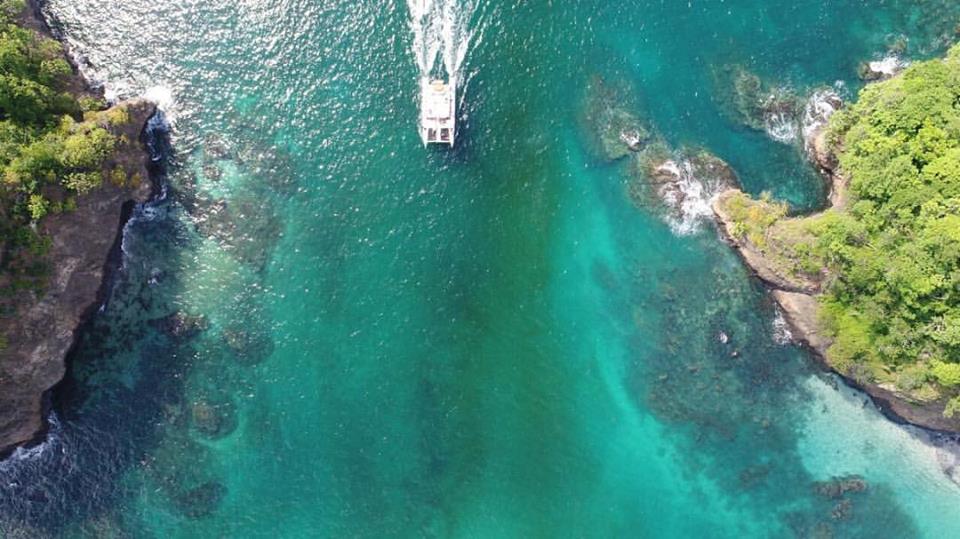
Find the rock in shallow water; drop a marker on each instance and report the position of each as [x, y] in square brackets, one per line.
[614, 130]
[758, 104]
[884, 69]
[685, 184]
[181, 326]
[838, 486]
[201, 501]
[213, 419]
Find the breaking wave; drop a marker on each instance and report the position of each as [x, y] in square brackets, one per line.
[781, 126]
[781, 329]
[817, 111]
[689, 193]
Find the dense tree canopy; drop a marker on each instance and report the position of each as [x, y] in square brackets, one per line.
[896, 252]
[53, 147]
[889, 259]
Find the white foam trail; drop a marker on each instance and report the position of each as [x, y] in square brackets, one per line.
[444, 30]
[689, 197]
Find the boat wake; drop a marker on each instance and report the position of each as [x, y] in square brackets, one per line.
[443, 33]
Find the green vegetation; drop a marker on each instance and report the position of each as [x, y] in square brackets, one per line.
[53, 146]
[752, 218]
[892, 255]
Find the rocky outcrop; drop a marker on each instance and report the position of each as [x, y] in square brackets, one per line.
[759, 104]
[820, 107]
[800, 306]
[883, 69]
[800, 312]
[686, 182]
[42, 328]
[761, 265]
[606, 116]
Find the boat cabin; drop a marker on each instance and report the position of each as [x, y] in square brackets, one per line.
[437, 112]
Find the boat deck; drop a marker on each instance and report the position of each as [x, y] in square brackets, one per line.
[437, 112]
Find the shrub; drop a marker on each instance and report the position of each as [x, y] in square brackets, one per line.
[83, 182]
[87, 148]
[118, 115]
[37, 206]
[947, 374]
[953, 406]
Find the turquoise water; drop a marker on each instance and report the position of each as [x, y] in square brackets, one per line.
[489, 341]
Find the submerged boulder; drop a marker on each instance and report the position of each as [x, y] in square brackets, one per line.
[201, 501]
[213, 419]
[757, 104]
[246, 226]
[842, 511]
[249, 345]
[181, 326]
[607, 116]
[837, 487]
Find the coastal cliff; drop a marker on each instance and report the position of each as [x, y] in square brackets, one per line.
[799, 302]
[39, 322]
[805, 261]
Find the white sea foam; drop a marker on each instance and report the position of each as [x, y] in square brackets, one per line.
[165, 101]
[821, 105]
[689, 197]
[781, 329]
[22, 455]
[443, 33]
[887, 67]
[781, 126]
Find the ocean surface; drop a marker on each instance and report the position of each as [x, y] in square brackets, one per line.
[378, 339]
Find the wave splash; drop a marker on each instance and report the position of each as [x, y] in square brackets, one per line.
[688, 187]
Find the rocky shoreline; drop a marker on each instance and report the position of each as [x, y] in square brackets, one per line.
[84, 244]
[798, 300]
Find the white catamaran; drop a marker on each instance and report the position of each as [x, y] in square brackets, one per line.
[438, 111]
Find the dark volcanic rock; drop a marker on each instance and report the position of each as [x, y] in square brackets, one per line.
[41, 330]
[181, 326]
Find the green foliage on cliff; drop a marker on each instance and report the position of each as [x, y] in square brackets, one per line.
[752, 218]
[895, 300]
[52, 146]
[892, 254]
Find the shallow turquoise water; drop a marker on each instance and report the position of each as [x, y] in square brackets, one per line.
[490, 341]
